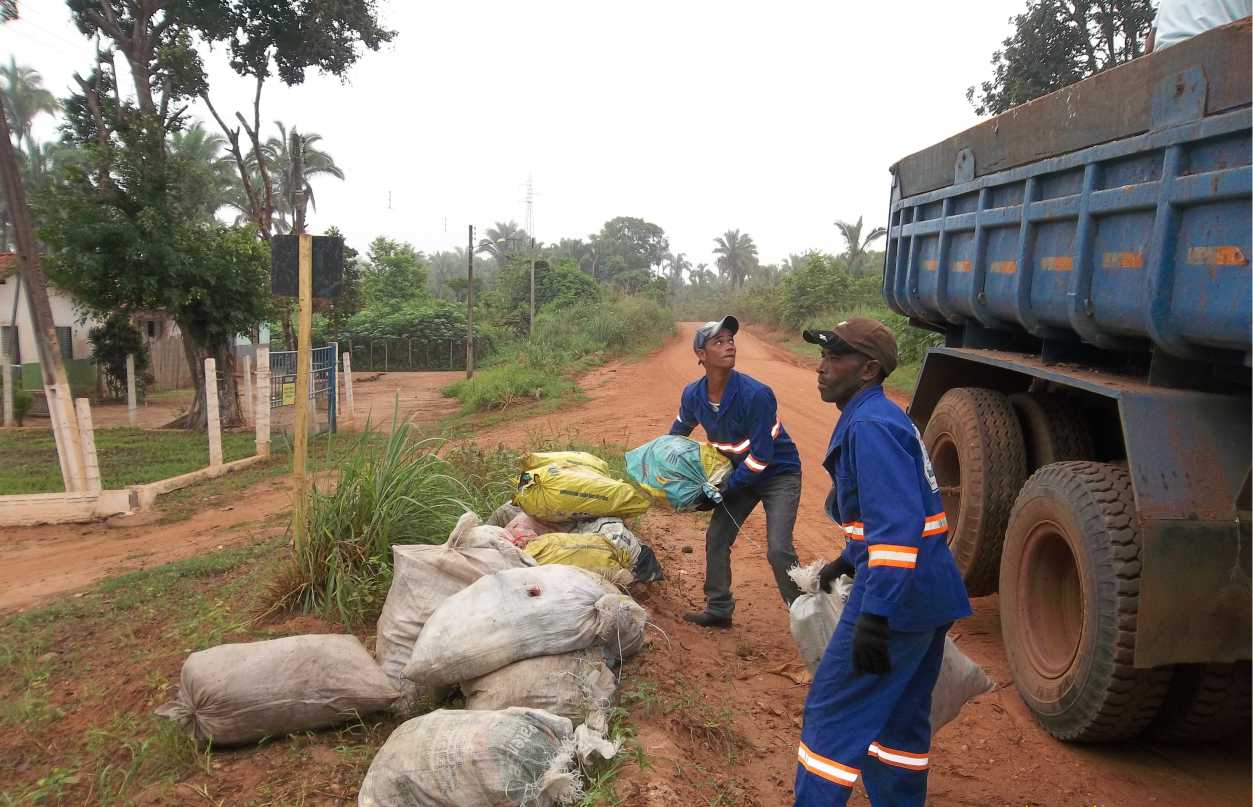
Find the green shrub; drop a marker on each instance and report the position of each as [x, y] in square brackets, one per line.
[22, 403]
[393, 490]
[505, 384]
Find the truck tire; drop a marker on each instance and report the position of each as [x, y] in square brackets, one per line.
[1053, 430]
[976, 448]
[1070, 584]
[1205, 702]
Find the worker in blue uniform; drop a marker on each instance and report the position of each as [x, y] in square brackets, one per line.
[868, 711]
[740, 419]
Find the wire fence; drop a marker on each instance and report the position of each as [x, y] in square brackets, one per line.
[402, 354]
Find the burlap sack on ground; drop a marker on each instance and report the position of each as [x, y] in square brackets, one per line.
[571, 685]
[503, 515]
[423, 577]
[815, 614]
[519, 614]
[241, 693]
[474, 759]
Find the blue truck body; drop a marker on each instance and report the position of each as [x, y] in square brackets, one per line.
[1096, 244]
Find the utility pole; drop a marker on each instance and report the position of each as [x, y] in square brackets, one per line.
[470, 305]
[56, 382]
[532, 330]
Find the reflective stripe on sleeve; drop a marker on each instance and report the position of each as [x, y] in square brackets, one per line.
[754, 464]
[855, 530]
[935, 525]
[734, 448]
[778, 427]
[902, 557]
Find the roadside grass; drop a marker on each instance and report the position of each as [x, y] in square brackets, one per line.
[128, 456]
[565, 342]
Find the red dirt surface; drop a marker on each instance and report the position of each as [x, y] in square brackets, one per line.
[717, 713]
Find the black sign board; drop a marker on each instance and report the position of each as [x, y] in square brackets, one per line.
[328, 266]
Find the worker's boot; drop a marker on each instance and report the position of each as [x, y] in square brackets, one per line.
[707, 620]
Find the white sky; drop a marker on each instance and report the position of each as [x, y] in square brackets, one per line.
[775, 119]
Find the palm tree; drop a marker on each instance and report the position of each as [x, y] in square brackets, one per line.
[204, 150]
[503, 240]
[677, 265]
[24, 98]
[856, 245]
[737, 255]
[278, 160]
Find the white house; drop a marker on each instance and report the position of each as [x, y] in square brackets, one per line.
[72, 326]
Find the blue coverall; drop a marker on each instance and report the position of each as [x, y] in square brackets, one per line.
[878, 726]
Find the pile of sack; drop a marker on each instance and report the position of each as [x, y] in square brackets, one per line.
[534, 645]
[815, 614]
[569, 510]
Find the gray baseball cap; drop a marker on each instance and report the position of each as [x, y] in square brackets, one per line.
[706, 332]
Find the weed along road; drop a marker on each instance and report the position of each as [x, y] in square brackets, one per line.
[716, 714]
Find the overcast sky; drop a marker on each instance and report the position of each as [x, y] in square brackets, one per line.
[775, 119]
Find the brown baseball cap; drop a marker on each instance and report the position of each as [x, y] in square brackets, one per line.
[863, 335]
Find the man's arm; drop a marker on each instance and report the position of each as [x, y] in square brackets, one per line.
[764, 417]
[686, 421]
[892, 514]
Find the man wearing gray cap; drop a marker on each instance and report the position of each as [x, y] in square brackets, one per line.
[740, 419]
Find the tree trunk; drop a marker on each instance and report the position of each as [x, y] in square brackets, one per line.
[230, 412]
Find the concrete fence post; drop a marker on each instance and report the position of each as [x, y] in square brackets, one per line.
[211, 411]
[249, 410]
[132, 413]
[262, 401]
[352, 411]
[6, 378]
[87, 439]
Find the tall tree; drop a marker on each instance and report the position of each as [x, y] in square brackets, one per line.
[315, 162]
[1058, 42]
[203, 151]
[737, 255]
[25, 99]
[504, 240]
[394, 274]
[676, 266]
[629, 245]
[855, 244]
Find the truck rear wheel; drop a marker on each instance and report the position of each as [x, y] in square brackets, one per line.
[1053, 429]
[976, 448]
[1070, 582]
[1205, 702]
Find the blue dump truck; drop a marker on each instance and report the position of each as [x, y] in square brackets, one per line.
[1086, 257]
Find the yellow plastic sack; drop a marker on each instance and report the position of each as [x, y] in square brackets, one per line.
[717, 466]
[589, 551]
[557, 493]
[538, 459]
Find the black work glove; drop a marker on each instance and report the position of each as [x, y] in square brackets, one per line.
[870, 645]
[832, 572]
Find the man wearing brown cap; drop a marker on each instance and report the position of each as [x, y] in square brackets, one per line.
[868, 710]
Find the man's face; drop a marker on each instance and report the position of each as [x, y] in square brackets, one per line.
[841, 375]
[719, 351]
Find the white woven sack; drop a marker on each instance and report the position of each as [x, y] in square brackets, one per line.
[241, 693]
[424, 576]
[519, 614]
[571, 685]
[459, 758]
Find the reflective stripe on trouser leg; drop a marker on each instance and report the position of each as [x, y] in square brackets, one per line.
[896, 771]
[846, 712]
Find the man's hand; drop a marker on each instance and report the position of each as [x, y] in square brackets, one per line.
[870, 645]
[832, 572]
[704, 503]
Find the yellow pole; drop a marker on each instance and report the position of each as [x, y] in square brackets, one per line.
[301, 436]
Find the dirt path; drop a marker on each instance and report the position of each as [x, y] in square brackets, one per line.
[725, 721]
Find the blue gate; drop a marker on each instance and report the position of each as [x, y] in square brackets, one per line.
[323, 374]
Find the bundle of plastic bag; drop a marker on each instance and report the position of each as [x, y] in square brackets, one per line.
[559, 492]
[644, 563]
[813, 618]
[487, 759]
[573, 685]
[242, 693]
[590, 551]
[519, 614]
[424, 576]
[678, 470]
